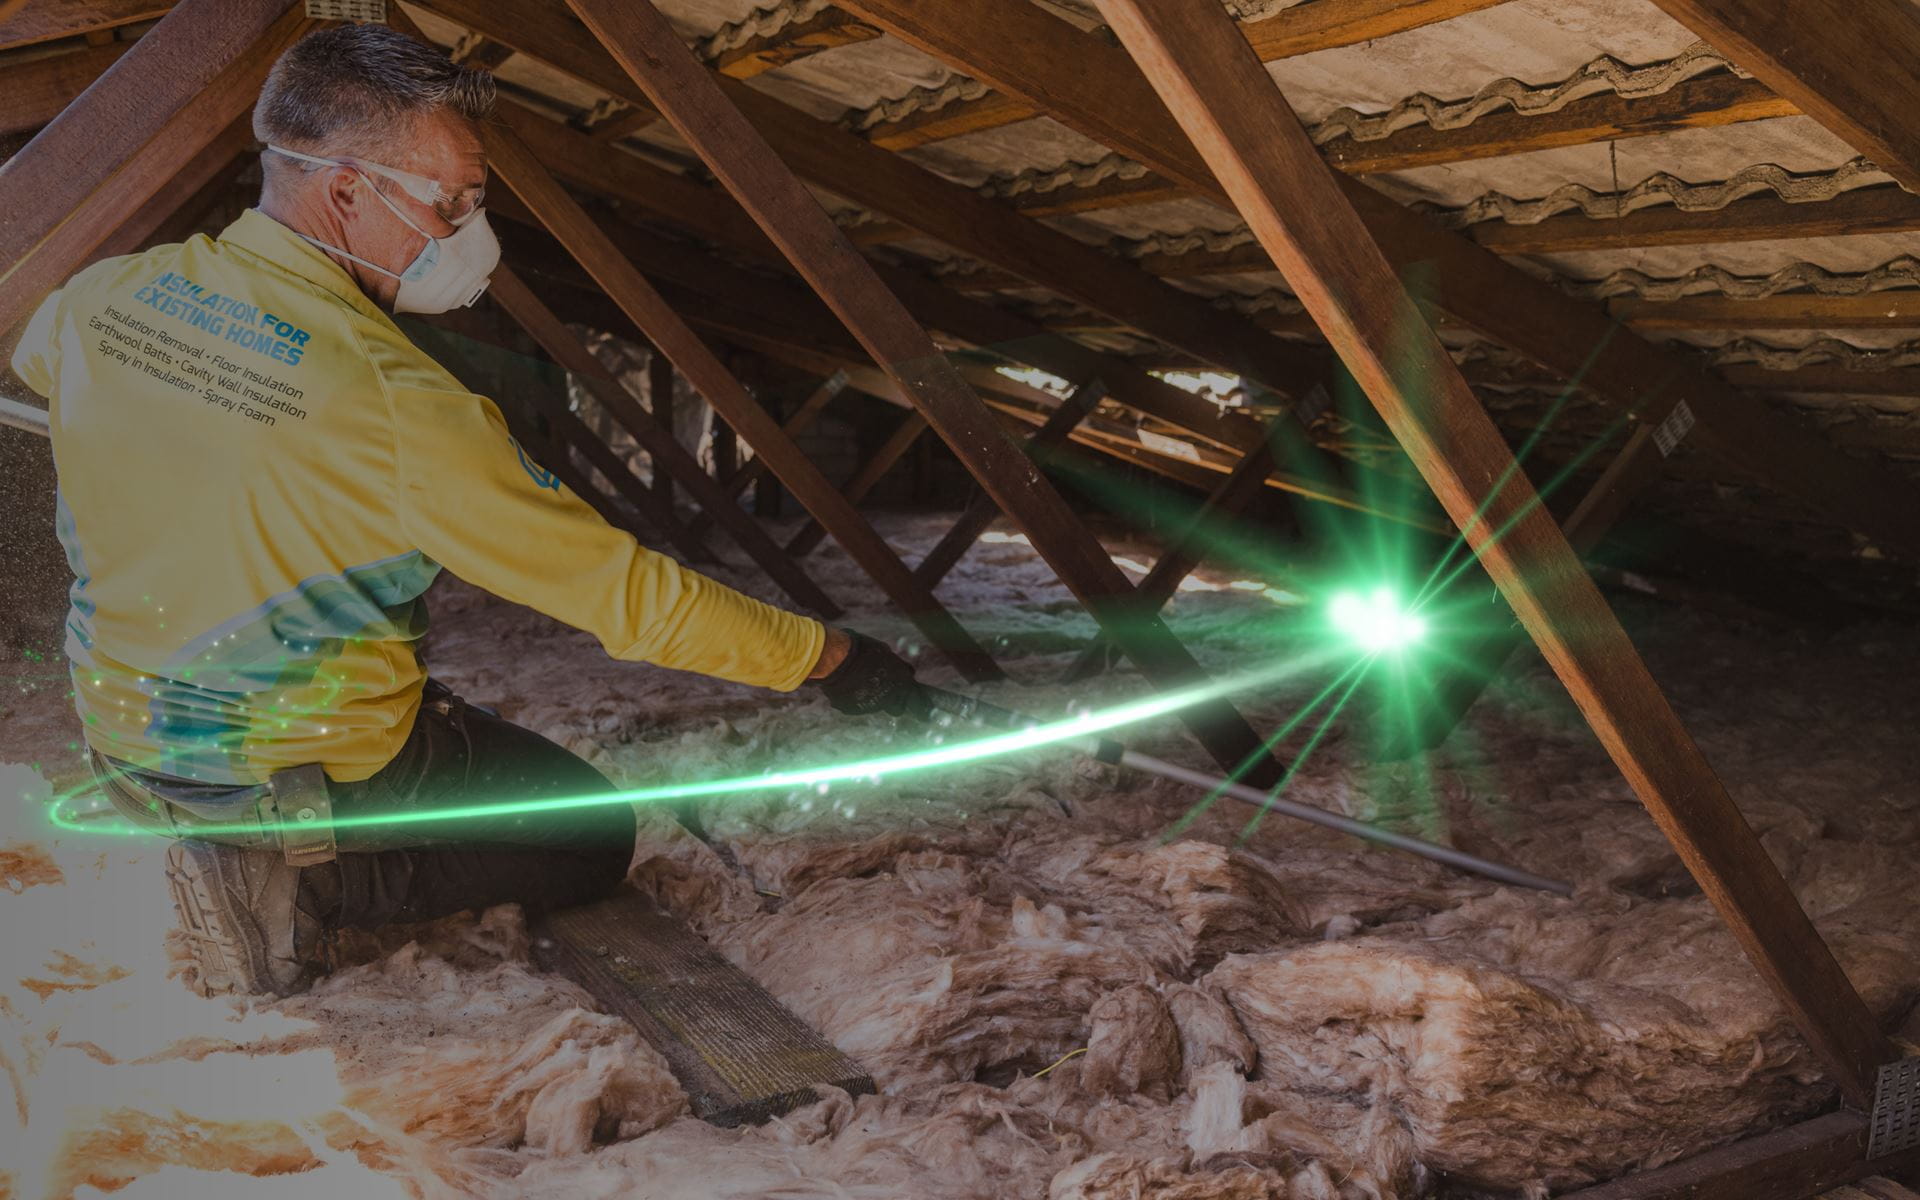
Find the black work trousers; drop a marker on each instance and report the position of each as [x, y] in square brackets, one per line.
[459, 759]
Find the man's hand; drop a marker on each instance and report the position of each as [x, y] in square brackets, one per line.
[839, 644]
[870, 678]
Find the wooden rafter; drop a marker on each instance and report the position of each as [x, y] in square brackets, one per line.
[570, 430]
[1236, 117]
[844, 163]
[1793, 310]
[37, 91]
[1890, 309]
[1847, 63]
[1708, 101]
[1183, 553]
[590, 246]
[1799, 1161]
[1884, 209]
[715, 216]
[825, 30]
[865, 478]
[195, 186]
[738, 154]
[925, 125]
[980, 512]
[1302, 29]
[1106, 98]
[157, 107]
[519, 301]
[798, 422]
[49, 20]
[1825, 380]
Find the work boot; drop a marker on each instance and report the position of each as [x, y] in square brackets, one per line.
[254, 924]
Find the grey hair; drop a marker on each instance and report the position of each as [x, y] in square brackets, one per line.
[358, 90]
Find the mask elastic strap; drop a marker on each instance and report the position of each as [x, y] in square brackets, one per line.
[391, 206]
[371, 266]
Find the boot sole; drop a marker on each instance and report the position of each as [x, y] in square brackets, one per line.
[210, 898]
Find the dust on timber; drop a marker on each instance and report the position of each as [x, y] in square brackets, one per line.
[1301, 1017]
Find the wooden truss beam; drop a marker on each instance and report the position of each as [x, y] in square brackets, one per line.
[799, 422]
[1106, 98]
[566, 349]
[157, 107]
[1710, 100]
[1892, 309]
[949, 212]
[1707, 101]
[660, 407]
[49, 20]
[714, 215]
[1795, 310]
[825, 30]
[570, 431]
[1302, 30]
[731, 146]
[926, 125]
[1224, 100]
[589, 245]
[39, 90]
[195, 187]
[1183, 554]
[1883, 209]
[865, 479]
[1794, 1163]
[1328, 24]
[1887, 208]
[1847, 63]
[658, 514]
[981, 510]
[1826, 380]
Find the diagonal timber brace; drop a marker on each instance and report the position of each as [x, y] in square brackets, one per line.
[1216, 88]
[159, 105]
[675, 82]
[519, 302]
[1015, 46]
[518, 167]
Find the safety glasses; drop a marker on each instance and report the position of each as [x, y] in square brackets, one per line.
[455, 206]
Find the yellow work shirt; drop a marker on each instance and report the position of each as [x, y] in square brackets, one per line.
[259, 475]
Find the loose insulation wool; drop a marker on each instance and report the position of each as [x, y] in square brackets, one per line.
[1057, 1000]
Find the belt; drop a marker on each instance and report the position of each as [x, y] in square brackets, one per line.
[292, 810]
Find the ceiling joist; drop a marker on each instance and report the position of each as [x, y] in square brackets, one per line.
[1846, 63]
[1016, 47]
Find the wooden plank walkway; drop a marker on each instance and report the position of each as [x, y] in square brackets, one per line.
[741, 1055]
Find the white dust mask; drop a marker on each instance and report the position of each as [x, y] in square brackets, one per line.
[449, 272]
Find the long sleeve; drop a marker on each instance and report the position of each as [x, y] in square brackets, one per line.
[471, 500]
[36, 359]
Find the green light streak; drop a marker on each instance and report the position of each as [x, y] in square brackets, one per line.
[1299, 760]
[1355, 669]
[869, 770]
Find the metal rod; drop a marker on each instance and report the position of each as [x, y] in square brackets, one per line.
[1360, 829]
[25, 416]
[949, 708]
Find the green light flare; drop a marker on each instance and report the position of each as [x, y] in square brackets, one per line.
[1299, 760]
[1375, 621]
[1525, 451]
[870, 770]
[1356, 669]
